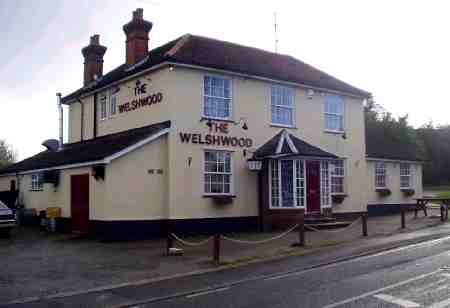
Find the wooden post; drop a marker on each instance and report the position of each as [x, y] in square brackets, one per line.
[364, 224]
[416, 209]
[216, 250]
[169, 241]
[301, 234]
[402, 210]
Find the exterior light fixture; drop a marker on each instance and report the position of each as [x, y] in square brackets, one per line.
[254, 164]
[244, 121]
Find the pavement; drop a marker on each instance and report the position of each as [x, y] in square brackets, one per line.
[56, 270]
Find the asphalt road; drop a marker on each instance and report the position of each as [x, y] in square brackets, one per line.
[412, 276]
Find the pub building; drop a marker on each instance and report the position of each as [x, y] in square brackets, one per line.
[205, 135]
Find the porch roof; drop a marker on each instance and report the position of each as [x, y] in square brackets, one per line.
[285, 144]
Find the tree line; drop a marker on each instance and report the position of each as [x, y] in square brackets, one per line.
[429, 143]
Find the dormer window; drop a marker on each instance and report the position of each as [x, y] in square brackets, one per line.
[217, 97]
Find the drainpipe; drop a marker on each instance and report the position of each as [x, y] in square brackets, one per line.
[60, 109]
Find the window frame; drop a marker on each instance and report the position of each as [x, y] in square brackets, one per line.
[230, 111]
[377, 173]
[303, 180]
[333, 175]
[37, 183]
[291, 108]
[204, 173]
[340, 115]
[103, 102]
[325, 184]
[111, 97]
[408, 175]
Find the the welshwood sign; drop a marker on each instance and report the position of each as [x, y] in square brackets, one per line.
[139, 102]
[219, 140]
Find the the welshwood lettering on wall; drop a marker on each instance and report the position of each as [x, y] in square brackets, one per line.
[219, 140]
[136, 103]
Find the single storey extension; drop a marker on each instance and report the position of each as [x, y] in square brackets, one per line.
[205, 135]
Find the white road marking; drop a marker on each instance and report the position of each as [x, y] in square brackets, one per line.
[427, 243]
[207, 292]
[352, 299]
[442, 304]
[396, 300]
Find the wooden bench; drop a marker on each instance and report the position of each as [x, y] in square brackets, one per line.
[421, 204]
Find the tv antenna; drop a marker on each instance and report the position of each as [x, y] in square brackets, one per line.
[275, 31]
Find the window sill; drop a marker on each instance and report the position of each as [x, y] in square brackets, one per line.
[383, 191]
[283, 125]
[335, 132]
[205, 118]
[287, 208]
[218, 195]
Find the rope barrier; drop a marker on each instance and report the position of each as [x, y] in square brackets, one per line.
[188, 243]
[333, 231]
[260, 241]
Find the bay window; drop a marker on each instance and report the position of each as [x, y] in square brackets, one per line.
[217, 173]
[282, 105]
[217, 97]
[337, 177]
[287, 184]
[325, 196]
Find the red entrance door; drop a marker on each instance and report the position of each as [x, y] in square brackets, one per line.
[79, 202]
[313, 187]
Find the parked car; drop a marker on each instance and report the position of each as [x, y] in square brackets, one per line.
[7, 220]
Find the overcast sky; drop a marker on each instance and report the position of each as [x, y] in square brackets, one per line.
[397, 50]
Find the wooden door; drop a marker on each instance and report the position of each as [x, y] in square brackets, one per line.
[79, 203]
[313, 187]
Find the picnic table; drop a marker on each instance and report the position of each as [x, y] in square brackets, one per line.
[421, 204]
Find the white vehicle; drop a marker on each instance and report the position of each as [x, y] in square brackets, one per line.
[7, 221]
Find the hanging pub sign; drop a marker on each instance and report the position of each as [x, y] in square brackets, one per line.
[143, 100]
[213, 139]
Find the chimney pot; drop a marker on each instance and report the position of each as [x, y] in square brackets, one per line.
[95, 40]
[136, 32]
[93, 59]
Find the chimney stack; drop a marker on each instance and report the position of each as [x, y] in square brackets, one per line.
[137, 37]
[93, 59]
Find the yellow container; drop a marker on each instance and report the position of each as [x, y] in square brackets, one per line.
[53, 212]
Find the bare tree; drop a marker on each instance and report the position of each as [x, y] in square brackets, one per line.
[7, 154]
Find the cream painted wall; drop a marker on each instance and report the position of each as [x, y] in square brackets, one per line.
[74, 122]
[156, 82]
[251, 100]
[132, 192]
[60, 196]
[393, 183]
